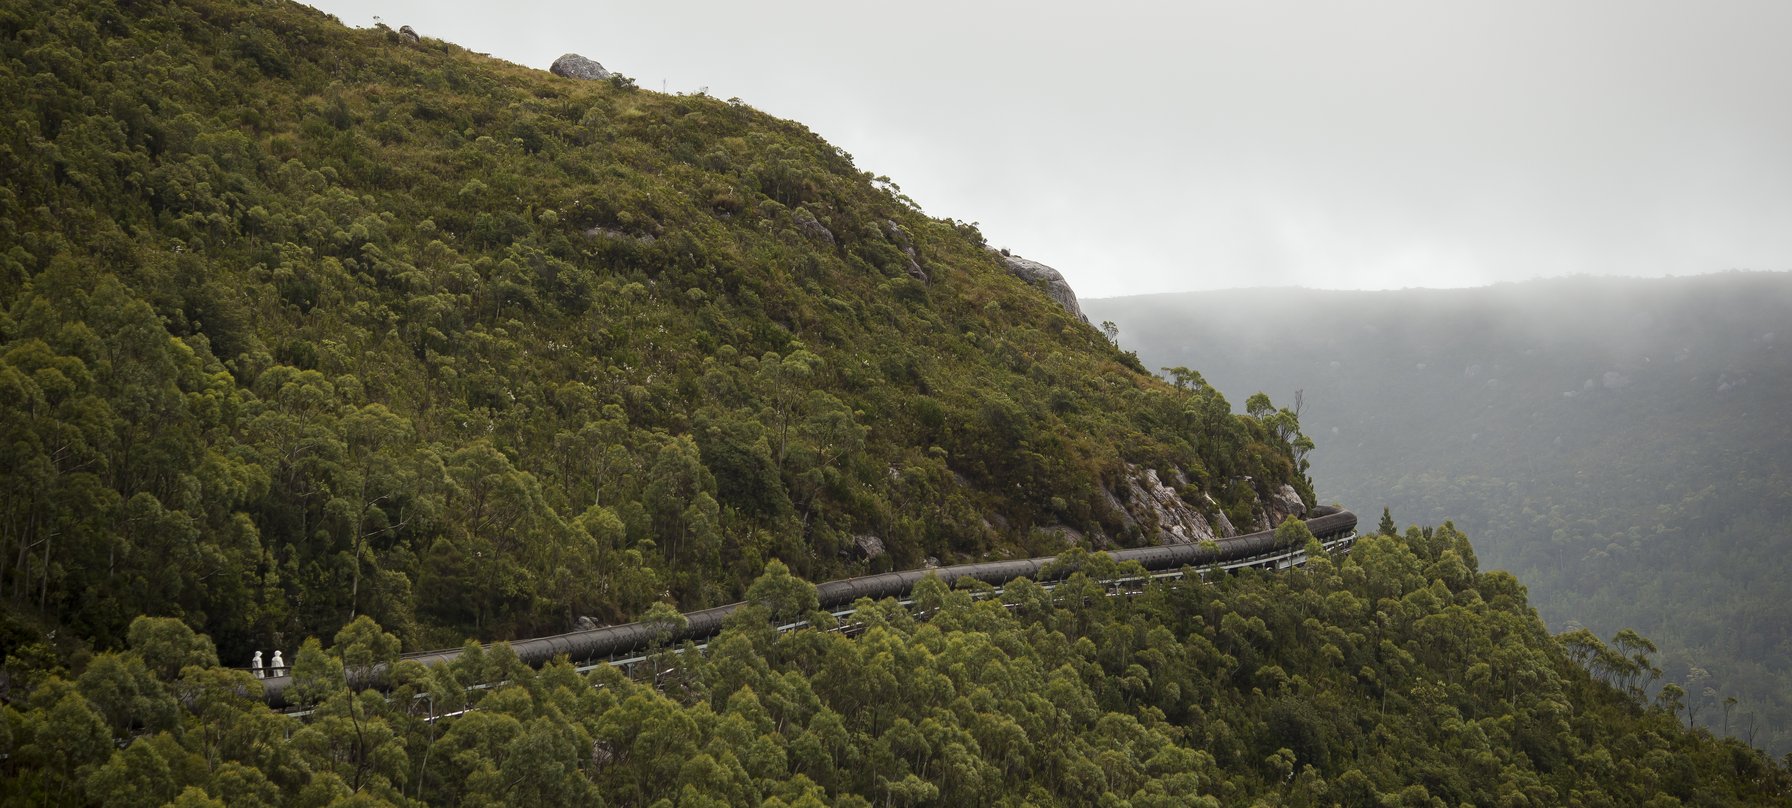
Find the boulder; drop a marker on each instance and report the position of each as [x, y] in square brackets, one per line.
[409, 34]
[1283, 503]
[574, 66]
[869, 546]
[1047, 279]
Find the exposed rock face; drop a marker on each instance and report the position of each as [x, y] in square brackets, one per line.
[574, 66]
[869, 546]
[899, 237]
[1046, 278]
[1223, 522]
[810, 227]
[1158, 510]
[409, 34]
[1283, 503]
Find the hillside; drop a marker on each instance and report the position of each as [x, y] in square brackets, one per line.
[1399, 676]
[308, 332]
[300, 323]
[1620, 445]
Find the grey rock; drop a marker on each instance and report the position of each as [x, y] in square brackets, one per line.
[810, 227]
[899, 237]
[869, 546]
[410, 34]
[1224, 523]
[587, 623]
[1046, 278]
[1159, 510]
[1283, 503]
[574, 66]
[612, 233]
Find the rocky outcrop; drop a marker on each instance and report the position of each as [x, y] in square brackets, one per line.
[899, 237]
[868, 546]
[409, 34]
[811, 227]
[574, 66]
[1159, 510]
[1045, 278]
[1282, 503]
[1221, 523]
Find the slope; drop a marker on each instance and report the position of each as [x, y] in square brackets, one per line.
[1620, 445]
[300, 323]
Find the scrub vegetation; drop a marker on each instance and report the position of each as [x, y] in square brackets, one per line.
[299, 323]
[1399, 676]
[316, 333]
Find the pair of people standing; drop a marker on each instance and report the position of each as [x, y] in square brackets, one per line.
[276, 666]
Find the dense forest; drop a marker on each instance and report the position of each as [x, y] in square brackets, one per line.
[350, 343]
[1400, 676]
[300, 323]
[1622, 445]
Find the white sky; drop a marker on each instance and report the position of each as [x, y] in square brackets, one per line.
[1202, 144]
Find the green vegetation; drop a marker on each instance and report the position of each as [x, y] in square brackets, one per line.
[299, 323]
[308, 332]
[1623, 446]
[1399, 676]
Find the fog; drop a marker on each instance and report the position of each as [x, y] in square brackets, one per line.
[1145, 147]
[1621, 445]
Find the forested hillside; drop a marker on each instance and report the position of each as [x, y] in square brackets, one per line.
[316, 333]
[1623, 446]
[300, 323]
[1400, 676]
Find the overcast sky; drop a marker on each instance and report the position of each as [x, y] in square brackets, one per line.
[1169, 146]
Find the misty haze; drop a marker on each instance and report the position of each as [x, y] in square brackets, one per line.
[810, 404]
[1619, 444]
